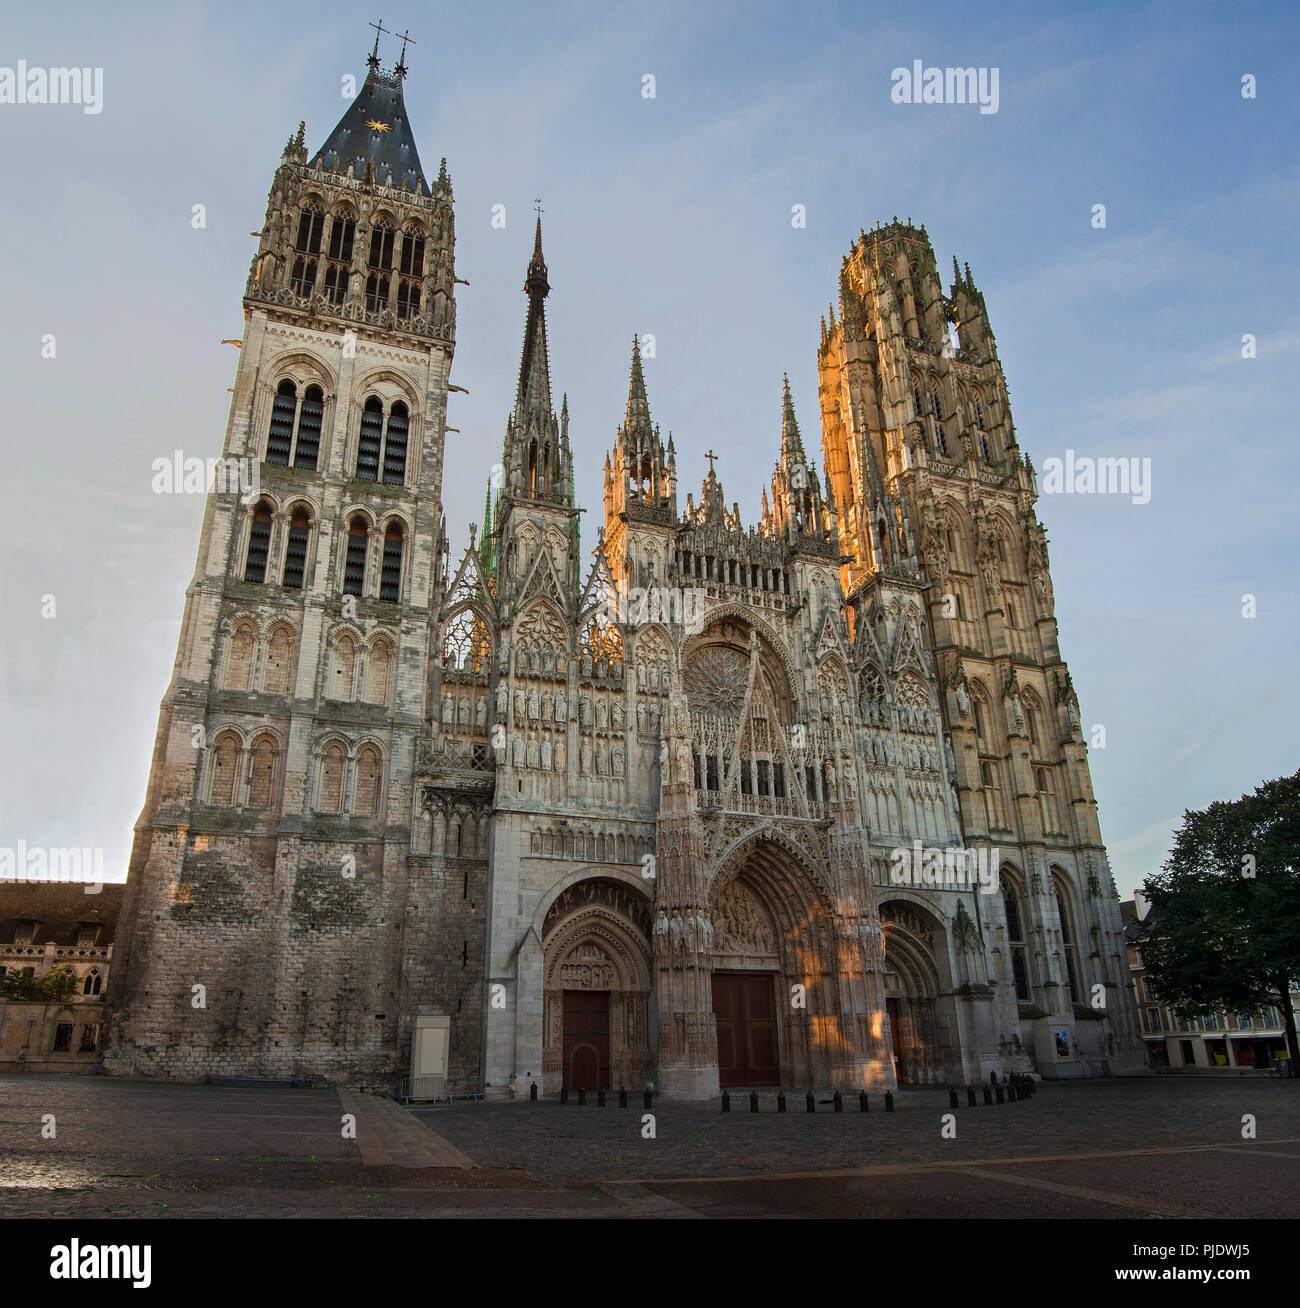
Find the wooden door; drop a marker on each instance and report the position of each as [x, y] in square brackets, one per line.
[586, 1039]
[744, 1007]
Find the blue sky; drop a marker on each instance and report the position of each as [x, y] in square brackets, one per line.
[671, 216]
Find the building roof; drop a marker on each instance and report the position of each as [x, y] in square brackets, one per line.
[58, 907]
[374, 130]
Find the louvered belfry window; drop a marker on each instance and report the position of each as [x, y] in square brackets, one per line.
[279, 440]
[339, 260]
[372, 439]
[390, 583]
[395, 445]
[354, 568]
[310, 416]
[295, 552]
[259, 543]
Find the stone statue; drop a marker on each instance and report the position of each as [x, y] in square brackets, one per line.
[602, 759]
[462, 712]
[618, 760]
[517, 750]
[561, 754]
[640, 719]
[546, 753]
[534, 755]
[586, 755]
[480, 713]
[532, 702]
[586, 665]
[584, 711]
[602, 713]
[963, 698]
[616, 715]
[547, 706]
[503, 698]
[520, 706]
[448, 710]
[561, 706]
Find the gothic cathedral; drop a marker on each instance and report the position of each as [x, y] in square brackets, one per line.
[802, 803]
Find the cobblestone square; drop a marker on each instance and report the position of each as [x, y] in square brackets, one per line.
[1170, 1148]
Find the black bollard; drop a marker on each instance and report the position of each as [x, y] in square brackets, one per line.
[753, 1101]
[582, 1096]
[952, 1099]
[532, 1093]
[811, 1102]
[889, 1101]
[838, 1100]
[998, 1093]
[993, 1078]
[988, 1095]
[600, 1099]
[622, 1098]
[564, 1094]
[863, 1106]
[648, 1099]
[726, 1102]
[780, 1101]
[970, 1096]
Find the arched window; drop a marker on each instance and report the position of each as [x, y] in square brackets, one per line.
[239, 658]
[380, 265]
[295, 550]
[279, 657]
[259, 543]
[311, 223]
[390, 580]
[261, 773]
[338, 264]
[354, 566]
[412, 271]
[310, 417]
[372, 439]
[345, 667]
[1070, 949]
[395, 444]
[93, 983]
[279, 440]
[379, 671]
[940, 436]
[225, 769]
[303, 281]
[369, 773]
[1015, 940]
[333, 762]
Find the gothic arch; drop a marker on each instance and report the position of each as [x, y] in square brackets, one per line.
[772, 645]
[918, 985]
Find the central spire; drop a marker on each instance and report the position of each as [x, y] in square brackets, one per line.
[534, 366]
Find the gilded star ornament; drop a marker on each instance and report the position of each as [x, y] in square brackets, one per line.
[377, 126]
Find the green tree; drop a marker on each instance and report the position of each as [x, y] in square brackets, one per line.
[1225, 909]
[54, 987]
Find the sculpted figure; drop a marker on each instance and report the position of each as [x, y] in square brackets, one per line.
[480, 713]
[503, 697]
[532, 702]
[561, 754]
[520, 709]
[448, 710]
[546, 753]
[616, 715]
[561, 706]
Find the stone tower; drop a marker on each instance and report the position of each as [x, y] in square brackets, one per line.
[273, 923]
[936, 506]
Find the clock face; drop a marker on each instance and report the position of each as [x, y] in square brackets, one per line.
[377, 126]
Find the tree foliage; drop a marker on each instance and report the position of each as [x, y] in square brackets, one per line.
[1225, 909]
[53, 987]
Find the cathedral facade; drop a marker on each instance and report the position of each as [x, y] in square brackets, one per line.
[804, 802]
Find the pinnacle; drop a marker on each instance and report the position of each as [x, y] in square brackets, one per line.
[791, 442]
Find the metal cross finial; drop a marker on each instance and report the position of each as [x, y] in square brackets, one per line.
[379, 27]
[401, 62]
[538, 203]
[709, 454]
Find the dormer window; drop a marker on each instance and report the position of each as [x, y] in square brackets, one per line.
[25, 933]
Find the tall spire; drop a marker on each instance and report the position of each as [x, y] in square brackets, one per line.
[637, 422]
[791, 443]
[534, 366]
